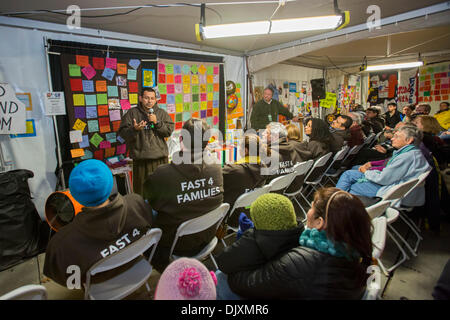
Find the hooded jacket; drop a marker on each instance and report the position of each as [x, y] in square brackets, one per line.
[147, 143]
[180, 192]
[310, 149]
[356, 136]
[288, 157]
[257, 247]
[95, 234]
[338, 138]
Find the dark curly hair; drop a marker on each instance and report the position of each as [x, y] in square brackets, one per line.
[319, 130]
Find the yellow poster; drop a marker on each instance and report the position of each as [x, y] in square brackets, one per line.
[329, 101]
[148, 77]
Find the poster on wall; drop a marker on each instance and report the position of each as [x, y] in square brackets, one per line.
[189, 89]
[98, 91]
[407, 88]
[54, 103]
[12, 111]
[382, 87]
[434, 84]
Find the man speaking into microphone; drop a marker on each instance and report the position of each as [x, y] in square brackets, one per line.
[144, 129]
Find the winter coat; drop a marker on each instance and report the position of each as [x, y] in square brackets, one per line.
[338, 138]
[310, 149]
[391, 121]
[263, 113]
[356, 136]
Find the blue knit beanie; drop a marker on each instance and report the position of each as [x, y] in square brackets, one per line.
[91, 182]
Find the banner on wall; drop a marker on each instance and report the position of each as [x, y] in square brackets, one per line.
[12, 112]
[407, 88]
[383, 86]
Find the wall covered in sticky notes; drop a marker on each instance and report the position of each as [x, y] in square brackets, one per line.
[99, 91]
[434, 85]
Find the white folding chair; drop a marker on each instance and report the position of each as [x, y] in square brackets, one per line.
[374, 284]
[128, 281]
[244, 200]
[301, 170]
[28, 292]
[317, 172]
[199, 224]
[282, 182]
[378, 209]
[335, 165]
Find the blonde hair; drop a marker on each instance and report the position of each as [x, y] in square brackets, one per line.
[293, 132]
[429, 124]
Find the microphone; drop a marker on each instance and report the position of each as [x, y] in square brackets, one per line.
[151, 124]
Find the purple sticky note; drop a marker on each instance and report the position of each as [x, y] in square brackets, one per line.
[114, 115]
[91, 112]
[108, 74]
[80, 112]
[203, 113]
[134, 63]
[121, 140]
[111, 63]
[121, 149]
[170, 99]
[105, 144]
[170, 88]
[85, 142]
[88, 86]
[125, 104]
[89, 72]
[215, 103]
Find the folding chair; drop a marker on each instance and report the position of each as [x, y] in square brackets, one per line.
[244, 200]
[335, 165]
[369, 139]
[28, 292]
[301, 170]
[375, 139]
[317, 172]
[197, 225]
[282, 182]
[128, 281]
[374, 285]
[351, 155]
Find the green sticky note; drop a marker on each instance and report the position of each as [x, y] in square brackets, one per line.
[432, 81]
[93, 126]
[96, 139]
[113, 91]
[195, 106]
[426, 93]
[179, 117]
[74, 70]
[179, 98]
[194, 69]
[162, 88]
[210, 88]
[238, 85]
[186, 106]
[169, 68]
[238, 95]
[91, 99]
[102, 98]
[132, 74]
[216, 96]
[195, 89]
[195, 98]
[422, 78]
[210, 70]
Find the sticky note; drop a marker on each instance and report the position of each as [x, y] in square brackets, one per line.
[215, 120]
[210, 88]
[186, 116]
[169, 78]
[186, 79]
[77, 153]
[203, 105]
[78, 99]
[203, 114]
[216, 87]
[195, 106]
[161, 78]
[202, 69]
[80, 112]
[84, 141]
[162, 106]
[203, 97]
[186, 69]
[210, 104]
[98, 63]
[179, 107]
[123, 93]
[202, 88]
[178, 125]
[170, 99]
[105, 128]
[210, 96]
[75, 136]
[170, 88]
[163, 99]
[89, 72]
[131, 74]
[194, 79]
[209, 121]
[91, 99]
[216, 80]
[111, 63]
[209, 79]
[98, 154]
[194, 68]
[187, 98]
[121, 81]
[178, 88]
[109, 152]
[186, 106]
[195, 98]
[105, 144]
[132, 86]
[91, 112]
[87, 155]
[171, 108]
[161, 68]
[92, 126]
[76, 85]
[74, 70]
[88, 86]
[108, 74]
[202, 78]
[100, 86]
[216, 111]
[79, 125]
[195, 115]
[125, 104]
[121, 149]
[195, 89]
[113, 91]
[178, 98]
[111, 137]
[216, 96]
[162, 88]
[215, 103]
[178, 78]
[134, 63]
[216, 70]
[121, 68]
[177, 69]
[179, 117]
[82, 61]
[186, 88]
[96, 139]
[133, 98]
[210, 70]
[169, 68]
[114, 115]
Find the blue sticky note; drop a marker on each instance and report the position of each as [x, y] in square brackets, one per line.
[87, 155]
[131, 74]
[88, 86]
[216, 96]
[91, 99]
[108, 74]
[134, 63]
[176, 69]
[111, 137]
[186, 116]
[186, 69]
[162, 106]
[120, 139]
[209, 121]
[92, 125]
[170, 99]
[215, 103]
[113, 91]
[91, 112]
[84, 143]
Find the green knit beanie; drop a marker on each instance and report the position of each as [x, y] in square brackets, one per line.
[273, 211]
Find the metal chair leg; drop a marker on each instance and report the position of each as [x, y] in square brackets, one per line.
[214, 261]
[403, 240]
[404, 255]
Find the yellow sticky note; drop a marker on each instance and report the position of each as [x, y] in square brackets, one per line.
[194, 79]
[186, 88]
[77, 153]
[133, 97]
[210, 96]
[203, 88]
[78, 99]
[209, 79]
[186, 79]
[204, 105]
[215, 111]
[179, 107]
[79, 125]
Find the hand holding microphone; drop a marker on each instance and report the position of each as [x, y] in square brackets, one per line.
[152, 118]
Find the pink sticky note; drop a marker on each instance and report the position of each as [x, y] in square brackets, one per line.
[111, 63]
[121, 149]
[114, 115]
[178, 88]
[161, 68]
[125, 104]
[203, 96]
[105, 144]
[89, 72]
[216, 70]
[444, 86]
[170, 88]
[178, 78]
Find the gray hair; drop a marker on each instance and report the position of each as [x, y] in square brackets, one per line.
[277, 128]
[356, 117]
[411, 131]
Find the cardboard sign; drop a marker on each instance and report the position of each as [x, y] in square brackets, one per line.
[12, 111]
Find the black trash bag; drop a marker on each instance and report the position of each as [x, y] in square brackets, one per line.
[23, 234]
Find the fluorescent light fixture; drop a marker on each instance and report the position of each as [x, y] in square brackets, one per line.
[404, 65]
[278, 26]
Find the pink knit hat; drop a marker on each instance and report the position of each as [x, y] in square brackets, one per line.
[186, 279]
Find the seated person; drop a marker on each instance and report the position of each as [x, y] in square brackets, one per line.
[319, 140]
[186, 279]
[373, 120]
[243, 176]
[188, 187]
[406, 163]
[422, 109]
[407, 112]
[275, 232]
[431, 128]
[330, 263]
[392, 116]
[443, 115]
[340, 132]
[357, 135]
[106, 224]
